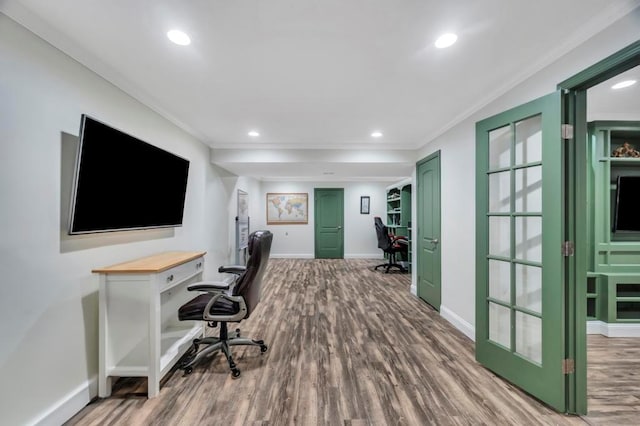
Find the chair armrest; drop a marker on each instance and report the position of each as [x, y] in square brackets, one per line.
[232, 269]
[241, 314]
[400, 244]
[208, 286]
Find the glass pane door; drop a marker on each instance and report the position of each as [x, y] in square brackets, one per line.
[519, 282]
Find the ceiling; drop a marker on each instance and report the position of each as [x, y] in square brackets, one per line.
[605, 103]
[316, 75]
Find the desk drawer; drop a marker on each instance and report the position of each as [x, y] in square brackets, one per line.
[178, 274]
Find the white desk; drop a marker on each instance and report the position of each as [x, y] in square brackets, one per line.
[140, 335]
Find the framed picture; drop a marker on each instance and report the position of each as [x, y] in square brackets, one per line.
[242, 223]
[285, 208]
[364, 204]
[243, 206]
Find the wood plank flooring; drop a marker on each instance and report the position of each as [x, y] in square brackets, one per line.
[613, 375]
[347, 346]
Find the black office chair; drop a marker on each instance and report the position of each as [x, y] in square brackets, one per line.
[391, 245]
[226, 302]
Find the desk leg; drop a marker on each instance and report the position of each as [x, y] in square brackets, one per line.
[104, 381]
[154, 386]
[104, 386]
[155, 338]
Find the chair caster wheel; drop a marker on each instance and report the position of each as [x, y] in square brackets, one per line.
[188, 370]
[235, 373]
[263, 348]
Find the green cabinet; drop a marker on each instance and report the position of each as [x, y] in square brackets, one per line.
[594, 297]
[399, 212]
[613, 283]
[623, 301]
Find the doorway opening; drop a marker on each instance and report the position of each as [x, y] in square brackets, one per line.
[587, 274]
[613, 254]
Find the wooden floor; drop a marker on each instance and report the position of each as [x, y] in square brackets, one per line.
[613, 376]
[347, 346]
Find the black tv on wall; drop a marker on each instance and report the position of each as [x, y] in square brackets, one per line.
[123, 183]
[627, 205]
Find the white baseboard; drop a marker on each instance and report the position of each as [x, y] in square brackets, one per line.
[69, 405]
[593, 327]
[466, 328]
[312, 256]
[613, 329]
[363, 256]
[292, 256]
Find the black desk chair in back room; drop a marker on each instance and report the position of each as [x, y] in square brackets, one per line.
[224, 303]
[391, 245]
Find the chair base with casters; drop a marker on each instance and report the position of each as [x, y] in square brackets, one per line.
[391, 264]
[220, 343]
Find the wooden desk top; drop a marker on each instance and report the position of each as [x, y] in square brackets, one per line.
[150, 264]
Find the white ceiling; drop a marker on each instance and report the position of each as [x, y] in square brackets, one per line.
[605, 103]
[316, 74]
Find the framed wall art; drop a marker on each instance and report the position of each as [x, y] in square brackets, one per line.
[287, 208]
[364, 204]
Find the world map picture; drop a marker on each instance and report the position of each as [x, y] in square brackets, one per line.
[287, 208]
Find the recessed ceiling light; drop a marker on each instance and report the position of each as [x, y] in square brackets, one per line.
[179, 37]
[623, 84]
[376, 134]
[446, 40]
[253, 134]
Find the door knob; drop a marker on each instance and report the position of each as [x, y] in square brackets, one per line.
[339, 227]
[435, 241]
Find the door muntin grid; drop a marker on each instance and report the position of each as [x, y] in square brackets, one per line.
[515, 238]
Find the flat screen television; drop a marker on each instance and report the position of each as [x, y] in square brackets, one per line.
[122, 183]
[627, 205]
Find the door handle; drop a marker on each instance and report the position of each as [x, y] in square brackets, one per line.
[339, 227]
[435, 241]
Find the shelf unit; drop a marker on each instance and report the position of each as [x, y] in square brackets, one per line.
[613, 280]
[399, 213]
[139, 331]
[593, 301]
[624, 303]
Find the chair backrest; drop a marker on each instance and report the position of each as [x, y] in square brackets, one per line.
[250, 282]
[382, 232]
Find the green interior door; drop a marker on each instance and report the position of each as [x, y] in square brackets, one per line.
[329, 222]
[519, 265]
[428, 211]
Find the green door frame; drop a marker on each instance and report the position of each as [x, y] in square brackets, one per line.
[575, 114]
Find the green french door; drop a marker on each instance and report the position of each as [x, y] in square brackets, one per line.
[519, 266]
[329, 222]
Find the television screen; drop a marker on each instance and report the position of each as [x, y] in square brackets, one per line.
[627, 204]
[123, 183]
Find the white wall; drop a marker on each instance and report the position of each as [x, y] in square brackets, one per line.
[458, 166]
[296, 241]
[48, 297]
